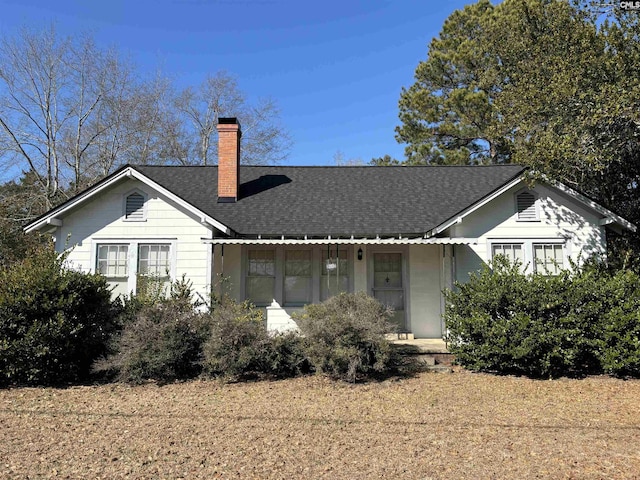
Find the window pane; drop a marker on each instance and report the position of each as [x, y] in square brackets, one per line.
[112, 260]
[261, 263]
[298, 262]
[297, 290]
[518, 254]
[260, 290]
[331, 286]
[340, 266]
[335, 279]
[297, 279]
[260, 278]
[548, 258]
[153, 259]
[513, 251]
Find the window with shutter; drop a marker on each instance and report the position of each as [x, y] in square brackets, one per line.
[134, 207]
[526, 206]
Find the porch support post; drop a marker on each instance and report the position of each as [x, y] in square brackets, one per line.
[216, 284]
[447, 276]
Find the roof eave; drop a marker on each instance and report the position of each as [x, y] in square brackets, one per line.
[128, 171]
[472, 208]
[609, 217]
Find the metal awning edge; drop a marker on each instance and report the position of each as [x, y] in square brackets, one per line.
[343, 241]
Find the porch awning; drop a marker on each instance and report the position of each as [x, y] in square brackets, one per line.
[343, 241]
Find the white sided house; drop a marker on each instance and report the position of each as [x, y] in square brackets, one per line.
[284, 237]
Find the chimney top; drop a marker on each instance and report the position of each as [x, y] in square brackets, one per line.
[228, 121]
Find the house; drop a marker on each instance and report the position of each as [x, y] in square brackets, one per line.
[284, 237]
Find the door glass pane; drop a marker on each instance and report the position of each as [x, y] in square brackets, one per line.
[387, 270]
[391, 298]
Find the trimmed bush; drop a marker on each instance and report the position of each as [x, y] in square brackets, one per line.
[346, 336]
[53, 321]
[621, 331]
[579, 322]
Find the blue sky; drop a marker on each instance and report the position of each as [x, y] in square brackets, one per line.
[335, 68]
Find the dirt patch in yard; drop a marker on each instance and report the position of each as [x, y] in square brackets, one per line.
[433, 426]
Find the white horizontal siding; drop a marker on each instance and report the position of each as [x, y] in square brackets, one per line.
[560, 217]
[101, 219]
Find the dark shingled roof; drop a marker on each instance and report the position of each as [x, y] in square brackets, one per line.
[336, 201]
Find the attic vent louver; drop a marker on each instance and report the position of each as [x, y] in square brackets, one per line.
[134, 209]
[526, 204]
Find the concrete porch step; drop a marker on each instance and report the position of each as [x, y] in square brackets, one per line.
[400, 336]
[422, 345]
[430, 353]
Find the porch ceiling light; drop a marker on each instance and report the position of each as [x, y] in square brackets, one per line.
[360, 254]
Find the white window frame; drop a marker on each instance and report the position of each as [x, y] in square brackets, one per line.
[133, 244]
[144, 205]
[535, 205]
[167, 272]
[527, 245]
[119, 245]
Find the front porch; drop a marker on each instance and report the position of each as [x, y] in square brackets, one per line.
[282, 275]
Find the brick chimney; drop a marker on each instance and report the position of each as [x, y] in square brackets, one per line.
[229, 134]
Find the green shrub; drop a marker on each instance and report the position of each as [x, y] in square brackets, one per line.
[346, 336]
[580, 322]
[163, 343]
[54, 321]
[504, 321]
[620, 354]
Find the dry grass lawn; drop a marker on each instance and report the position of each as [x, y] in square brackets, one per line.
[449, 426]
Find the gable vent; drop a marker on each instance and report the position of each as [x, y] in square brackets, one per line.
[134, 209]
[526, 203]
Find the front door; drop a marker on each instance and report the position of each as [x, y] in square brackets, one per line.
[387, 285]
